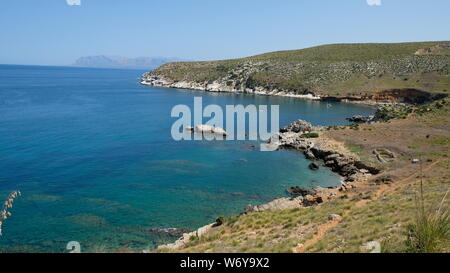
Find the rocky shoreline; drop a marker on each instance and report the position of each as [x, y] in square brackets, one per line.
[219, 86]
[298, 136]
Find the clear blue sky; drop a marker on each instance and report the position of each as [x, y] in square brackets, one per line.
[52, 32]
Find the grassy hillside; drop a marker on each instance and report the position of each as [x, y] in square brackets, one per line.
[337, 70]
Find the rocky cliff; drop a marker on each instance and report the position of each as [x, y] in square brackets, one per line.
[348, 71]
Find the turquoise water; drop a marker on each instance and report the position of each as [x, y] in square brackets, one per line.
[92, 154]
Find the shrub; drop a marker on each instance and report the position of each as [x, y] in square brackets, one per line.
[431, 229]
[427, 233]
[310, 135]
[219, 221]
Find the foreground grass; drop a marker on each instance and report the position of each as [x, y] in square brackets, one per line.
[388, 220]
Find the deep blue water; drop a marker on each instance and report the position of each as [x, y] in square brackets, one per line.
[92, 154]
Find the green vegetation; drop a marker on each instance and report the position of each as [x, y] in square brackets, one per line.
[441, 141]
[337, 70]
[310, 135]
[389, 112]
[355, 149]
[399, 111]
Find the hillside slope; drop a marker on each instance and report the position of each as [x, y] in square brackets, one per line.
[102, 61]
[351, 71]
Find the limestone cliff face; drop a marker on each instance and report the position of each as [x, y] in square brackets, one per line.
[223, 85]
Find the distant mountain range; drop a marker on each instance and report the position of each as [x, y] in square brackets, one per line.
[103, 61]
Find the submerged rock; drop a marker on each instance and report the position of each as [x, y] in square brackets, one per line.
[313, 166]
[175, 232]
[187, 237]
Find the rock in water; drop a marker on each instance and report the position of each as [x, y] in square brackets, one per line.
[202, 128]
[313, 166]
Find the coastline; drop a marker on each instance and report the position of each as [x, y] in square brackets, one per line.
[332, 155]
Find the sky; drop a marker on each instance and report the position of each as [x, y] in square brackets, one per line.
[57, 32]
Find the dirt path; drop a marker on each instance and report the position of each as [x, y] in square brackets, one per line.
[322, 229]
